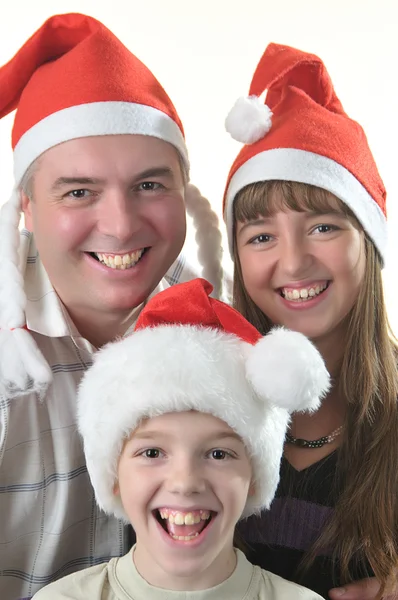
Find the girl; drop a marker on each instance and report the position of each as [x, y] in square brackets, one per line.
[306, 219]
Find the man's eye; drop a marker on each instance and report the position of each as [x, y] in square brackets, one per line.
[78, 193]
[149, 186]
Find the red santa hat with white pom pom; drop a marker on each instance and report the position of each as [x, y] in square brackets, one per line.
[301, 133]
[73, 78]
[192, 352]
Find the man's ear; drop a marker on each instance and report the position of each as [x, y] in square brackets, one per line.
[26, 206]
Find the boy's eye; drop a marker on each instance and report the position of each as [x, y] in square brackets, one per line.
[151, 453]
[218, 454]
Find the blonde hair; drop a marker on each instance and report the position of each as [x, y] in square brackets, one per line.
[365, 521]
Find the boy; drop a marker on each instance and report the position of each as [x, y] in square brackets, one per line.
[183, 425]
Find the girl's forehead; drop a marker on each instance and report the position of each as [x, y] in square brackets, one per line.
[268, 198]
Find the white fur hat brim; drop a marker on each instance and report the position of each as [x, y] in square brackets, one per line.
[173, 368]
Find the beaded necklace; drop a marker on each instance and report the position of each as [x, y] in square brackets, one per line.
[327, 439]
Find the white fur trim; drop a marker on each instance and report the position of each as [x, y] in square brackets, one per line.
[249, 120]
[23, 368]
[177, 368]
[94, 119]
[285, 367]
[290, 164]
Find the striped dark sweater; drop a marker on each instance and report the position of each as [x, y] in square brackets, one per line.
[278, 539]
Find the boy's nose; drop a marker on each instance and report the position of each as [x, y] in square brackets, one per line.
[186, 478]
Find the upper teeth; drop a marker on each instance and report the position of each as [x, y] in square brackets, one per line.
[120, 261]
[180, 518]
[303, 293]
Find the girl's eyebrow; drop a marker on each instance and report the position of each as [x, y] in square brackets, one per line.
[253, 223]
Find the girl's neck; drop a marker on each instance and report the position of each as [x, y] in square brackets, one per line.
[330, 415]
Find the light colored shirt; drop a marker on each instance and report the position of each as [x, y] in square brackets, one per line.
[120, 580]
[50, 525]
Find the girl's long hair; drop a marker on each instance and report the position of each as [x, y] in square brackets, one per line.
[364, 526]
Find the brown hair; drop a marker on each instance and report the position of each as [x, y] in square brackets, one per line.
[365, 521]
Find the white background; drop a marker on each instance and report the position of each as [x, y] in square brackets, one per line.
[204, 53]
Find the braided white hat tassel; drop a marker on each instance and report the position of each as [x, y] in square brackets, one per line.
[23, 368]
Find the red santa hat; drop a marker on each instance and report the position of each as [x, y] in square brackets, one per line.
[301, 133]
[73, 78]
[192, 352]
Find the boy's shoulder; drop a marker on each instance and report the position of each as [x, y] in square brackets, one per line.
[90, 583]
[276, 588]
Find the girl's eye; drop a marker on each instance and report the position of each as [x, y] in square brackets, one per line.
[325, 228]
[149, 186]
[260, 239]
[78, 193]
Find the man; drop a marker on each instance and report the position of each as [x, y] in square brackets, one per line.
[101, 172]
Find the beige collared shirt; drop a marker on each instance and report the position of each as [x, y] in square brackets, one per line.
[50, 525]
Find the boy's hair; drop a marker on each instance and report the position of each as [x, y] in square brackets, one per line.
[365, 521]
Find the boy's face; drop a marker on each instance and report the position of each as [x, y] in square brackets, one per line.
[186, 468]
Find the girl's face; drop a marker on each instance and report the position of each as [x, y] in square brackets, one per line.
[303, 269]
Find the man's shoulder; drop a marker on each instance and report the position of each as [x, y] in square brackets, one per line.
[90, 583]
[273, 587]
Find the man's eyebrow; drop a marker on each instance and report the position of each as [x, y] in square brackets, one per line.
[75, 181]
[154, 172]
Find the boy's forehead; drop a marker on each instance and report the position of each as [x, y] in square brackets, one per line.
[170, 425]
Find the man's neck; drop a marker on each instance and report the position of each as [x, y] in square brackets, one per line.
[101, 328]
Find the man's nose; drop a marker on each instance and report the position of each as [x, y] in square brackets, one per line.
[116, 215]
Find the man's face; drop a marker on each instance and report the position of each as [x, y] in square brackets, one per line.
[108, 217]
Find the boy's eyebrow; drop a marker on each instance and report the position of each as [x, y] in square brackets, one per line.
[151, 434]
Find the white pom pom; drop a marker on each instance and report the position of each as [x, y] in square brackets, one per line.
[249, 120]
[285, 368]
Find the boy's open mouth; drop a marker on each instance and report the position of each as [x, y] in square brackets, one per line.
[183, 526]
[119, 261]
